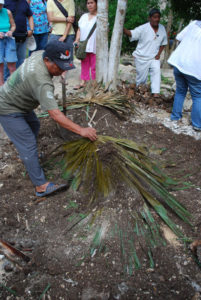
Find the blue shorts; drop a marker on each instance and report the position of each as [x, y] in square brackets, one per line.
[8, 50]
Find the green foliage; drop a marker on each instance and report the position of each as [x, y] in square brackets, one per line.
[187, 9]
[136, 15]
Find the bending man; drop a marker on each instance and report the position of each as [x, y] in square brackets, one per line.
[28, 87]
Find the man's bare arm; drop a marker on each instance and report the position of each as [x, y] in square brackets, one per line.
[52, 18]
[31, 25]
[12, 23]
[67, 29]
[127, 32]
[66, 123]
[159, 52]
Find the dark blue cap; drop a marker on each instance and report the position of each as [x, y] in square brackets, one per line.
[154, 11]
[60, 54]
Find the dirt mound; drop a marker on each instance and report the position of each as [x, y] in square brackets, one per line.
[76, 252]
[142, 95]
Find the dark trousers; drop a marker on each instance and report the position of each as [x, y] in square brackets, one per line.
[22, 129]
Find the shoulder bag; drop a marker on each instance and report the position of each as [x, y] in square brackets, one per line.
[80, 51]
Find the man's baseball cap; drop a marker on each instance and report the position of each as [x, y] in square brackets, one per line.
[59, 53]
[2, 2]
[154, 11]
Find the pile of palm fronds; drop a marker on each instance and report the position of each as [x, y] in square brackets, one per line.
[99, 167]
[116, 102]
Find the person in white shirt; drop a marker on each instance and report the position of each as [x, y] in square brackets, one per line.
[186, 60]
[85, 24]
[152, 39]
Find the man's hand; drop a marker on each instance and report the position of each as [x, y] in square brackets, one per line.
[89, 133]
[157, 57]
[127, 32]
[9, 33]
[29, 33]
[62, 38]
[70, 20]
[76, 44]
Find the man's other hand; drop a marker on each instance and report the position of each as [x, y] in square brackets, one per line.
[29, 33]
[89, 133]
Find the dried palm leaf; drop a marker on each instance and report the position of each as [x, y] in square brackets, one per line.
[99, 166]
[118, 103]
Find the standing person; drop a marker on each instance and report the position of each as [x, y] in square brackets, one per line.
[152, 39]
[29, 86]
[186, 60]
[85, 24]
[21, 11]
[7, 42]
[62, 29]
[41, 24]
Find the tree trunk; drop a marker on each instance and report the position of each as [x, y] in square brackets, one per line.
[167, 49]
[175, 41]
[116, 43]
[102, 42]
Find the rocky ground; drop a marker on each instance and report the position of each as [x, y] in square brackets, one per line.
[81, 253]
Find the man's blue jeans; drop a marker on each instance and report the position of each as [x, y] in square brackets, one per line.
[41, 41]
[22, 129]
[21, 49]
[183, 82]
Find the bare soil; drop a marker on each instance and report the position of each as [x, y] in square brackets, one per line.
[59, 232]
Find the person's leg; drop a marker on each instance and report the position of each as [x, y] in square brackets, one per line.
[21, 53]
[155, 76]
[10, 56]
[33, 122]
[6, 71]
[41, 40]
[1, 74]
[2, 51]
[21, 134]
[11, 67]
[195, 90]
[180, 94]
[85, 68]
[142, 70]
[93, 65]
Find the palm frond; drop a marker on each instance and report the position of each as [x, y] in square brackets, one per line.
[116, 102]
[99, 166]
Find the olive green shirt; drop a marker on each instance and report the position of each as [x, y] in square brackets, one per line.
[28, 87]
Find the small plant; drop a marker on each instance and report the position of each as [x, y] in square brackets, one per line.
[166, 80]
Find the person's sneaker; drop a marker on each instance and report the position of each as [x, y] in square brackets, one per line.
[176, 121]
[196, 128]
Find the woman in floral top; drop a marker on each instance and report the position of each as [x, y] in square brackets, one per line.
[41, 25]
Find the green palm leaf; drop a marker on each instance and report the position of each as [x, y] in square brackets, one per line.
[99, 166]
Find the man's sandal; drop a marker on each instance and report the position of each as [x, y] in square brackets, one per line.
[51, 189]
